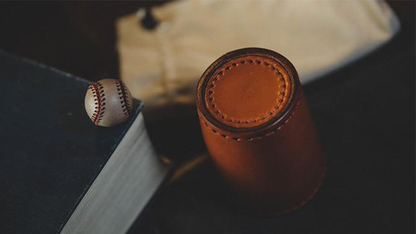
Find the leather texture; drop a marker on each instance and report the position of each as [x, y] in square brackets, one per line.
[233, 93]
[258, 131]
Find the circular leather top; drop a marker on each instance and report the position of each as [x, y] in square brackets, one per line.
[248, 91]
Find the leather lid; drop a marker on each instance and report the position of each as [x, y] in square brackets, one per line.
[247, 90]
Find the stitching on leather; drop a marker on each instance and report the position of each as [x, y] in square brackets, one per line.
[124, 100]
[252, 138]
[99, 101]
[221, 72]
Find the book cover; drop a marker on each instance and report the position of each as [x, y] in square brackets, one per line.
[59, 173]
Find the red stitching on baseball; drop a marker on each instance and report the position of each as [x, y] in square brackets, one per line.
[98, 94]
[122, 92]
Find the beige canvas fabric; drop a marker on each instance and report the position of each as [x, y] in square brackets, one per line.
[162, 66]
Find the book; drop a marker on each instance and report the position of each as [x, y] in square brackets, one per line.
[59, 173]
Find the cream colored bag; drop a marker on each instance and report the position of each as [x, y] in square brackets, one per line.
[162, 66]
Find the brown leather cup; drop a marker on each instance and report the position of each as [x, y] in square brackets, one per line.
[258, 130]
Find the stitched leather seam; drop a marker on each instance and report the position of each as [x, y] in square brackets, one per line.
[220, 73]
[124, 101]
[99, 99]
[252, 138]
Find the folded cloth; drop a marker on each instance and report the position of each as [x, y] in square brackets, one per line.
[162, 66]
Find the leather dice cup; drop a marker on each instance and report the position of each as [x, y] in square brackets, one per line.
[258, 131]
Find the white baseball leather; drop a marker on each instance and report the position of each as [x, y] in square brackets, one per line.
[108, 102]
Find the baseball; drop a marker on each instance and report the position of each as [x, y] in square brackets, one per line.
[108, 102]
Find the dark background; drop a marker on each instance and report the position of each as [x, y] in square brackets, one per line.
[76, 37]
[365, 114]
